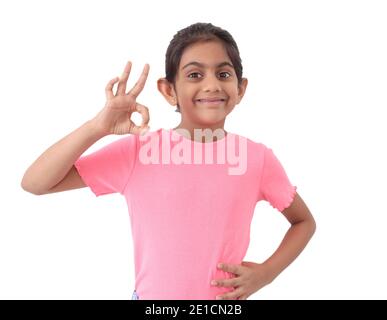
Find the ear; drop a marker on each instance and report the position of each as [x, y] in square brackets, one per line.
[242, 89]
[167, 90]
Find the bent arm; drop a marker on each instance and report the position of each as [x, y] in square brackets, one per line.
[296, 238]
[54, 170]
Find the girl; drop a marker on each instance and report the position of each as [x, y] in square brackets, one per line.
[190, 218]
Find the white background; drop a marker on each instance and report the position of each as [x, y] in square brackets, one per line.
[317, 96]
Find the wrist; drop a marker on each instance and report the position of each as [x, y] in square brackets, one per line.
[96, 129]
[269, 271]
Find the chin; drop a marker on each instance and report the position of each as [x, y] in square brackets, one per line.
[210, 119]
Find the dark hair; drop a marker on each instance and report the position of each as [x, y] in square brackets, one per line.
[195, 33]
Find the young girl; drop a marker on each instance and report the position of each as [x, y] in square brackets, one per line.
[190, 215]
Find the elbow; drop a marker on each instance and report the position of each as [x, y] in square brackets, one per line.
[26, 186]
[312, 226]
[309, 226]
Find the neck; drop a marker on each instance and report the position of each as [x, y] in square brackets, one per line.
[190, 127]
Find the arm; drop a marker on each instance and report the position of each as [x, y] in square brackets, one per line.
[48, 171]
[54, 170]
[250, 276]
[296, 238]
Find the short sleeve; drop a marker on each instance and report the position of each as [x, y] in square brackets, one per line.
[275, 186]
[108, 169]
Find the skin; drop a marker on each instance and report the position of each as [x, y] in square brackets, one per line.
[250, 276]
[114, 118]
[209, 80]
[53, 171]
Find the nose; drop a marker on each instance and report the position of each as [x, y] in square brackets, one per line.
[211, 84]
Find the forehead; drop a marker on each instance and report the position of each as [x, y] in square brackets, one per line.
[206, 52]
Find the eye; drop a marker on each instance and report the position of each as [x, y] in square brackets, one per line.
[225, 74]
[194, 75]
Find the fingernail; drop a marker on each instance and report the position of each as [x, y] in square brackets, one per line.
[219, 298]
[220, 265]
[214, 283]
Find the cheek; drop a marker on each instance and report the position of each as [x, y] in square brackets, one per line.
[233, 96]
[183, 90]
[187, 95]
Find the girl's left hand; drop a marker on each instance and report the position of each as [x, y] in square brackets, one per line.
[249, 278]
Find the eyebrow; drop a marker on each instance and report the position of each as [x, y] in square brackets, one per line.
[201, 65]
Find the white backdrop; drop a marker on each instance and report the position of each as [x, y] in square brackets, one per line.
[317, 96]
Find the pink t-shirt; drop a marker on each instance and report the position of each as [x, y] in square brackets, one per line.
[191, 212]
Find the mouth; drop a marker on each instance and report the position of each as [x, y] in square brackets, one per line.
[211, 102]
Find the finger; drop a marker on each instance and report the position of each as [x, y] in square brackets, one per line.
[140, 83]
[232, 268]
[109, 88]
[144, 111]
[225, 282]
[141, 130]
[124, 78]
[230, 295]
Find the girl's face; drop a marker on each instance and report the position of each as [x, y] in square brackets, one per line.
[206, 86]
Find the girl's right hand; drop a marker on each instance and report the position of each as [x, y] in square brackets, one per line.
[114, 118]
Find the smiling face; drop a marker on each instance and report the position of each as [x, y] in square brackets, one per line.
[206, 86]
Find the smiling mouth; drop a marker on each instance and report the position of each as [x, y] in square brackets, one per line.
[210, 102]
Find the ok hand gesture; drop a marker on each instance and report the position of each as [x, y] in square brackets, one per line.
[114, 118]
